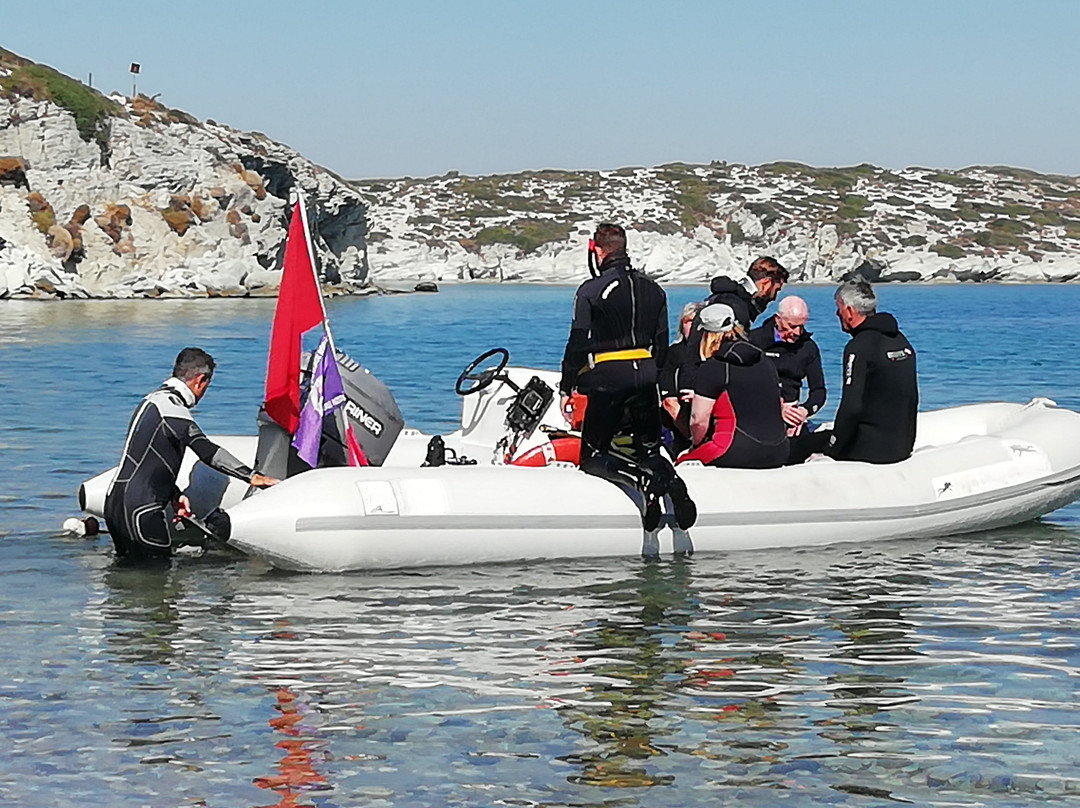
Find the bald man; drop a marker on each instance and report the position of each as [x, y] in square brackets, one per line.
[785, 340]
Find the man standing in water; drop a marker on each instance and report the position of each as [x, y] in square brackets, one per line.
[137, 507]
[618, 337]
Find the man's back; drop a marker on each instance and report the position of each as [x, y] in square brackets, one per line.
[629, 310]
[154, 449]
[618, 310]
[876, 419]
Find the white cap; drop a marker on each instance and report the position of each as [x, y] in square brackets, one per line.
[718, 318]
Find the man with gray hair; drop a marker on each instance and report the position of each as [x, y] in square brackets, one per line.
[143, 495]
[875, 422]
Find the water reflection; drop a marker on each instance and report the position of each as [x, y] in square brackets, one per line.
[297, 775]
[632, 658]
[53, 322]
[914, 671]
[142, 618]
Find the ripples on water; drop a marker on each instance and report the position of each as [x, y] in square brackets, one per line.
[938, 672]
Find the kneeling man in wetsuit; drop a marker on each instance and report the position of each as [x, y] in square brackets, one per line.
[618, 337]
[875, 422]
[143, 496]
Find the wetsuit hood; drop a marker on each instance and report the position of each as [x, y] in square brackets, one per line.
[181, 389]
[739, 352]
[616, 261]
[743, 287]
[882, 322]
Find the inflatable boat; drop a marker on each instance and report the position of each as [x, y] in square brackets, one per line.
[503, 487]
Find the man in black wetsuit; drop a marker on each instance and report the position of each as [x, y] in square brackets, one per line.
[747, 297]
[785, 340]
[752, 294]
[143, 496]
[618, 337]
[875, 422]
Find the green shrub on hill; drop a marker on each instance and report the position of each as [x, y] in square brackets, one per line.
[665, 228]
[949, 178]
[852, 206]
[1013, 210]
[1010, 226]
[967, 212]
[764, 211]
[787, 168]
[1000, 239]
[1047, 218]
[91, 109]
[944, 214]
[482, 213]
[948, 250]
[834, 180]
[526, 234]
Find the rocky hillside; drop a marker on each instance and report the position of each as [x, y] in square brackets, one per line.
[119, 197]
[691, 221]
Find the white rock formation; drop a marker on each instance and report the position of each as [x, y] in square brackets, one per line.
[171, 207]
[688, 223]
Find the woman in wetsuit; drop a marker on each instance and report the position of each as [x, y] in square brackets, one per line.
[736, 419]
[677, 383]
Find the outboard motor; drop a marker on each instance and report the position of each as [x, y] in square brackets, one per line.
[370, 408]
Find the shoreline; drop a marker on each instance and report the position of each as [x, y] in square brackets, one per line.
[405, 289]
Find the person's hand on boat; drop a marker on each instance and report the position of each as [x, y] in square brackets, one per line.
[793, 414]
[263, 481]
[564, 407]
[183, 507]
[671, 404]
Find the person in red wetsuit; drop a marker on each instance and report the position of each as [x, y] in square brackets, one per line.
[736, 419]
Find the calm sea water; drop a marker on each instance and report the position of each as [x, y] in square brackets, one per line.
[939, 672]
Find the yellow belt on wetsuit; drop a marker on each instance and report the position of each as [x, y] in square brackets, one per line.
[611, 356]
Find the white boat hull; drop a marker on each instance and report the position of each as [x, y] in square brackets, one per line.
[974, 468]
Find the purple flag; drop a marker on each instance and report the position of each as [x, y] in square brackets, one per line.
[325, 394]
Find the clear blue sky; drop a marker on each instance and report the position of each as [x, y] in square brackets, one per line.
[404, 87]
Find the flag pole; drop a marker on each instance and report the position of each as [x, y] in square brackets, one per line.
[344, 429]
[315, 270]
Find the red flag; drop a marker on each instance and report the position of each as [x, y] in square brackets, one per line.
[356, 454]
[299, 309]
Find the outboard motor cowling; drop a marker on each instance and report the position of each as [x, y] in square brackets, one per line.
[370, 408]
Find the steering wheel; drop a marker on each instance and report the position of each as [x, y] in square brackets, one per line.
[483, 378]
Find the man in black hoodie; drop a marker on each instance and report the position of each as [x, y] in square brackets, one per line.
[617, 338]
[875, 422]
[747, 297]
[750, 296]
